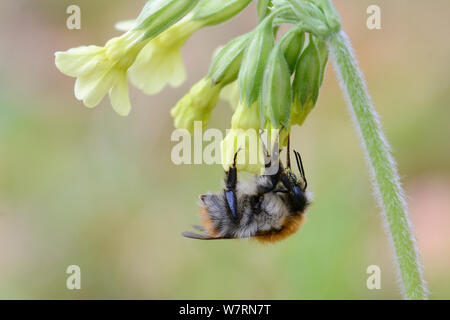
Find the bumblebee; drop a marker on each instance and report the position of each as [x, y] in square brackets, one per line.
[268, 207]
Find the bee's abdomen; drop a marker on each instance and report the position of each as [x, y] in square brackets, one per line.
[289, 227]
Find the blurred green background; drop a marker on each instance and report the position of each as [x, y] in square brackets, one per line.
[90, 188]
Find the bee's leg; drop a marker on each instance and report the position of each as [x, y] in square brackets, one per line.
[268, 181]
[280, 190]
[288, 152]
[230, 188]
[298, 158]
[267, 159]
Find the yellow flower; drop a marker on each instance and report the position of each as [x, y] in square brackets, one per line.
[299, 112]
[244, 136]
[272, 133]
[159, 63]
[230, 93]
[100, 70]
[196, 105]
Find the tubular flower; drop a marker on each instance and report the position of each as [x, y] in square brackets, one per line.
[244, 136]
[196, 105]
[230, 94]
[159, 63]
[100, 70]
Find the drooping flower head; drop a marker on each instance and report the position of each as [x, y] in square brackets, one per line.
[100, 70]
[244, 136]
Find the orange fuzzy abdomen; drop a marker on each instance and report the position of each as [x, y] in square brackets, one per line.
[290, 226]
[204, 214]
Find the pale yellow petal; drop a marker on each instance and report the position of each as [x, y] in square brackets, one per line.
[156, 66]
[78, 61]
[230, 93]
[120, 99]
[178, 72]
[93, 87]
[249, 157]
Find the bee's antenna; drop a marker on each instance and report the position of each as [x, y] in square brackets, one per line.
[298, 158]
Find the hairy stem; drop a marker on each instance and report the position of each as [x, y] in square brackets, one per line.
[386, 181]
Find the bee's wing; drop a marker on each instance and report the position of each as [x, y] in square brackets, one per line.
[199, 228]
[199, 236]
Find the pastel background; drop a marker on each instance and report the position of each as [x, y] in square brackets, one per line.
[90, 188]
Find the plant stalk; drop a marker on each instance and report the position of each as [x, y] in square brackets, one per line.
[385, 178]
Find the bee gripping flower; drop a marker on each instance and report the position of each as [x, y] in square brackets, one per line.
[244, 136]
[196, 105]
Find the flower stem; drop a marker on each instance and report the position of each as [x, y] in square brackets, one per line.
[386, 181]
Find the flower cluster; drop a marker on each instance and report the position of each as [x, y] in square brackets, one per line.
[271, 81]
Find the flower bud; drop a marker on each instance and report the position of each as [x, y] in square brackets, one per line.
[307, 80]
[276, 95]
[323, 53]
[292, 43]
[211, 12]
[158, 15]
[226, 64]
[255, 58]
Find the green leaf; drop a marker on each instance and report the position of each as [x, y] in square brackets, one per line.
[213, 12]
[276, 94]
[254, 61]
[225, 66]
[158, 15]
